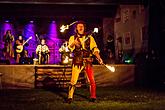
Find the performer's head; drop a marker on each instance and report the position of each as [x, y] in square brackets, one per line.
[20, 37]
[8, 31]
[80, 27]
[43, 42]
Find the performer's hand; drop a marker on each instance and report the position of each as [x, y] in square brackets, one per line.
[77, 43]
[39, 53]
[100, 61]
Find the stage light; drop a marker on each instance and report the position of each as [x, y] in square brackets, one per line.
[7, 21]
[52, 32]
[7, 25]
[31, 21]
[53, 22]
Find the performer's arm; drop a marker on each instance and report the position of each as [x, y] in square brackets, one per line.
[23, 41]
[17, 42]
[47, 49]
[74, 42]
[93, 45]
[71, 43]
[96, 51]
[37, 50]
[12, 38]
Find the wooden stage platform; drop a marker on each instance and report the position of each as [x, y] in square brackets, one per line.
[33, 76]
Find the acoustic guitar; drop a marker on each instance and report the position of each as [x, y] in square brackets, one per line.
[19, 48]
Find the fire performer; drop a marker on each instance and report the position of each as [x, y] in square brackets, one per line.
[83, 47]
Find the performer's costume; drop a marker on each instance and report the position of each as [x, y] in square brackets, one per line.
[83, 59]
[43, 53]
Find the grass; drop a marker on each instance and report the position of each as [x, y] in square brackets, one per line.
[109, 98]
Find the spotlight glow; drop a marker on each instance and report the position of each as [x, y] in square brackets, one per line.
[7, 26]
[7, 21]
[53, 22]
[31, 21]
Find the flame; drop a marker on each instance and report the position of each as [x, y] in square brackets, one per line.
[111, 68]
[96, 30]
[63, 28]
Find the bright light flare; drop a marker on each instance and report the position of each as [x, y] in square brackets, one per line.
[63, 28]
[96, 30]
[111, 68]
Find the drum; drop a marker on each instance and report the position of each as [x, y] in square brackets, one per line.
[35, 61]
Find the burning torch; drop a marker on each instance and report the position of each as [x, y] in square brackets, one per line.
[111, 68]
[64, 27]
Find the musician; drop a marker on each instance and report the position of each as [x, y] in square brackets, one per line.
[65, 53]
[42, 51]
[82, 59]
[64, 47]
[18, 51]
[8, 39]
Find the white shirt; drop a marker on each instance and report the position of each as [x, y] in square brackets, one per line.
[42, 48]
